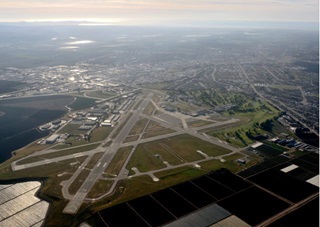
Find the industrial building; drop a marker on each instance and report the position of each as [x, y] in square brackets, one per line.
[52, 139]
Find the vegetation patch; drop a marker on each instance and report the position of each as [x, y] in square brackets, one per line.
[230, 163]
[145, 159]
[142, 185]
[76, 184]
[149, 109]
[186, 146]
[250, 125]
[48, 170]
[100, 133]
[157, 133]
[72, 129]
[99, 188]
[198, 123]
[179, 174]
[139, 126]
[117, 162]
[131, 139]
[94, 159]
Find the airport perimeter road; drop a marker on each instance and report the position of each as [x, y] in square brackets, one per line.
[75, 203]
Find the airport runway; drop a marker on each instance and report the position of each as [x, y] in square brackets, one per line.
[75, 203]
[109, 153]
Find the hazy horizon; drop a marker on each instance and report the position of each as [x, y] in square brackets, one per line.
[180, 13]
[312, 26]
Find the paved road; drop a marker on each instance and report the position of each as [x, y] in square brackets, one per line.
[74, 204]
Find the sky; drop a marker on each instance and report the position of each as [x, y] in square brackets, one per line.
[161, 12]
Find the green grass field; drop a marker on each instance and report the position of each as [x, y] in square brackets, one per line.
[230, 163]
[198, 123]
[131, 138]
[144, 160]
[139, 126]
[149, 109]
[157, 133]
[72, 129]
[76, 184]
[99, 188]
[249, 122]
[186, 146]
[142, 185]
[94, 160]
[175, 150]
[100, 133]
[117, 162]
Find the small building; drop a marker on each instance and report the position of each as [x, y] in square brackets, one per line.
[52, 139]
[241, 161]
[92, 118]
[89, 123]
[106, 123]
[85, 127]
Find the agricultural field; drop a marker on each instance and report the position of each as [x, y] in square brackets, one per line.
[270, 150]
